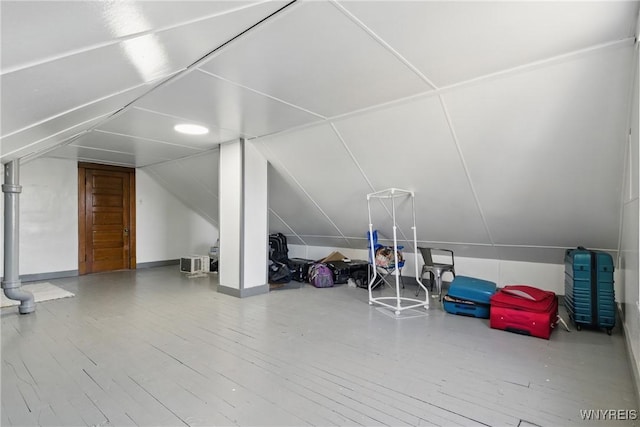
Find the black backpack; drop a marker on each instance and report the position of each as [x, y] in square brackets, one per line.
[278, 250]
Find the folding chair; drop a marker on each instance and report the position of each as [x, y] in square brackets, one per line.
[384, 261]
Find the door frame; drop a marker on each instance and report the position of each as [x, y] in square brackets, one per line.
[82, 245]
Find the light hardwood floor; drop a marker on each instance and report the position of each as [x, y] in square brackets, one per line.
[154, 348]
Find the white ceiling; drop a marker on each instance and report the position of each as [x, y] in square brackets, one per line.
[508, 119]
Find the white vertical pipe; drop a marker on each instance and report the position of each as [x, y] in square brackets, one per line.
[11, 282]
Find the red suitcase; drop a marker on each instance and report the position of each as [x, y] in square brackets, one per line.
[524, 310]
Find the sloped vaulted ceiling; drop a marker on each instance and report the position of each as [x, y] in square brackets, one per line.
[509, 120]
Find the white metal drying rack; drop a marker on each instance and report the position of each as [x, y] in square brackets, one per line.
[393, 193]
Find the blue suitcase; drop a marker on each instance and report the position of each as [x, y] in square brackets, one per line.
[469, 296]
[588, 288]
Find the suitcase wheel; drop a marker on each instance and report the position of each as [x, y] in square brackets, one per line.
[608, 331]
[579, 327]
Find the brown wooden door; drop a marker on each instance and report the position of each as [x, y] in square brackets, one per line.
[108, 221]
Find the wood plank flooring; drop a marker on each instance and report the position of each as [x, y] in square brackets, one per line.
[154, 348]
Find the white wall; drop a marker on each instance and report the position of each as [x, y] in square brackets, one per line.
[48, 216]
[545, 276]
[165, 227]
[629, 261]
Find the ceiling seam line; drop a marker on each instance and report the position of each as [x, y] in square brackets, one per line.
[87, 104]
[149, 139]
[164, 162]
[364, 175]
[68, 54]
[32, 156]
[355, 113]
[383, 43]
[487, 245]
[125, 38]
[266, 95]
[288, 226]
[148, 110]
[454, 86]
[104, 119]
[306, 193]
[106, 150]
[196, 180]
[556, 59]
[456, 142]
[547, 247]
[506, 245]
[440, 242]
[162, 81]
[353, 157]
[52, 136]
[87, 160]
[163, 183]
[216, 51]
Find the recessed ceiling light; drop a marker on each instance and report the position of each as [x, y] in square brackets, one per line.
[190, 129]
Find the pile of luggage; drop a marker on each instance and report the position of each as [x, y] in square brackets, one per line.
[523, 309]
[332, 270]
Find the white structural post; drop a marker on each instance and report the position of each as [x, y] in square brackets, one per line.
[244, 222]
[398, 303]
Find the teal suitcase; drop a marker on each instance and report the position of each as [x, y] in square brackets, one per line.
[588, 288]
[469, 296]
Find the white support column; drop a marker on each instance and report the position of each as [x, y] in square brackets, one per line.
[243, 220]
